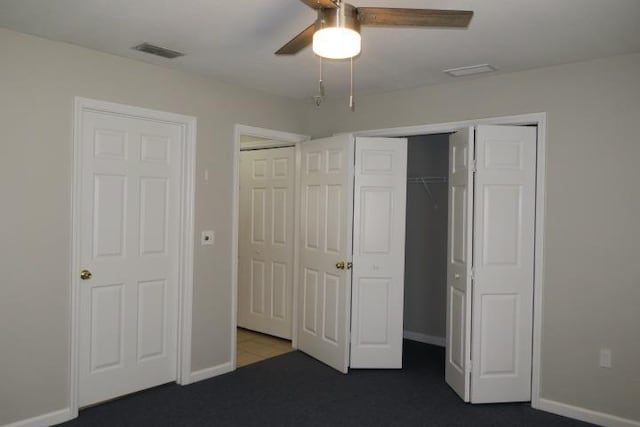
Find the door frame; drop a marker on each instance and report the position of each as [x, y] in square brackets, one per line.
[272, 139]
[188, 125]
[540, 121]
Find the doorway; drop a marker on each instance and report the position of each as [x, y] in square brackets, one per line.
[264, 242]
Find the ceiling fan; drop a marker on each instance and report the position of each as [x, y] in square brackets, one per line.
[336, 32]
[338, 17]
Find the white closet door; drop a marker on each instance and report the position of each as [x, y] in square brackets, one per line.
[503, 263]
[378, 252]
[326, 216]
[459, 258]
[130, 196]
[265, 262]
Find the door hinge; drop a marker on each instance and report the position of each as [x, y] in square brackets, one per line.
[473, 166]
[472, 274]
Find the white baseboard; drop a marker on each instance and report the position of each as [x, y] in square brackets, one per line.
[427, 339]
[583, 414]
[45, 420]
[211, 372]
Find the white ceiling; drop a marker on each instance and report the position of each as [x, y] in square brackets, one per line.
[234, 40]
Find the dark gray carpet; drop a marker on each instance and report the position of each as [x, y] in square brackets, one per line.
[296, 390]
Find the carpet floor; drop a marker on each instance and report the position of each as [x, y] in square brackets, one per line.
[296, 390]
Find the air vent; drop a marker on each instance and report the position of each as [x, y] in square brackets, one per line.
[472, 69]
[158, 51]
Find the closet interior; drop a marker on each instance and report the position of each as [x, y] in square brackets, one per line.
[426, 238]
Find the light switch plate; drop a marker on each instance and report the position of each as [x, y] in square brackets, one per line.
[605, 358]
[207, 237]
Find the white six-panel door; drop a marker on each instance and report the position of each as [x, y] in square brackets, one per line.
[503, 257]
[459, 259]
[326, 215]
[266, 240]
[130, 198]
[378, 252]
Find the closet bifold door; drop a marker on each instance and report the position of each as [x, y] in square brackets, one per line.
[378, 252]
[503, 258]
[459, 259]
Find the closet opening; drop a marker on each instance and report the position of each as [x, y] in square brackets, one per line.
[425, 280]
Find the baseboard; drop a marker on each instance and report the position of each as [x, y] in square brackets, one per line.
[583, 414]
[44, 420]
[211, 372]
[427, 339]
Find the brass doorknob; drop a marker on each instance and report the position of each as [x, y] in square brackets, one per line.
[341, 265]
[85, 275]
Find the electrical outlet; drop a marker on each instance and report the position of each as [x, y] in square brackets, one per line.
[207, 237]
[605, 358]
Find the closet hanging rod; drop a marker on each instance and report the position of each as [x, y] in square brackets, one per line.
[425, 181]
[429, 179]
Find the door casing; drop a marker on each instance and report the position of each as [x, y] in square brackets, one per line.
[186, 231]
[540, 121]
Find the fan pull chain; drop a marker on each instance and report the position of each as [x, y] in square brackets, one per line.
[352, 104]
[320, 96]
[321, 82]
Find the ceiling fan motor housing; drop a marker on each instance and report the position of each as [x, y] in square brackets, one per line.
[344, 16]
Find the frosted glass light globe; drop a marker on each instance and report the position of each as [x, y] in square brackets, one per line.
[336, 43]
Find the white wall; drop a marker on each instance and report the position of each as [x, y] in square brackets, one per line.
[592, 273]
[38, 82]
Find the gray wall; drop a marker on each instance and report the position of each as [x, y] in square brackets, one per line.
[591, 274]
[425, 278]
[38, 82]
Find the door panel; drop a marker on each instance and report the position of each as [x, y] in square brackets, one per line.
[130, 196]
[326, 190]
[459, 251]
[265, 275]
[378, 252]
[503, 263]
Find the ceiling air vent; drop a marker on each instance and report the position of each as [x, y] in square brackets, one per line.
[472, 69]
[158, 51]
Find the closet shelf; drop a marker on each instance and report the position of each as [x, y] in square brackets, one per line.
[425, 181]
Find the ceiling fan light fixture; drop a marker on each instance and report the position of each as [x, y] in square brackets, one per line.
[336, 43]
[337, 34]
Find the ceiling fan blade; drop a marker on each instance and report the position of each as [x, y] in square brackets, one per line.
[321, 4]
[299, 42]
[387, 16]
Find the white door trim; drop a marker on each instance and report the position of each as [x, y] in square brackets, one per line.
[540, 120]
[185, 250]
[274, 137]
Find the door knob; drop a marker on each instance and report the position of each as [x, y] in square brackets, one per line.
[341, 265]
[85, 275]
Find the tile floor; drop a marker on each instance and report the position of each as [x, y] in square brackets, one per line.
[254, 347]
